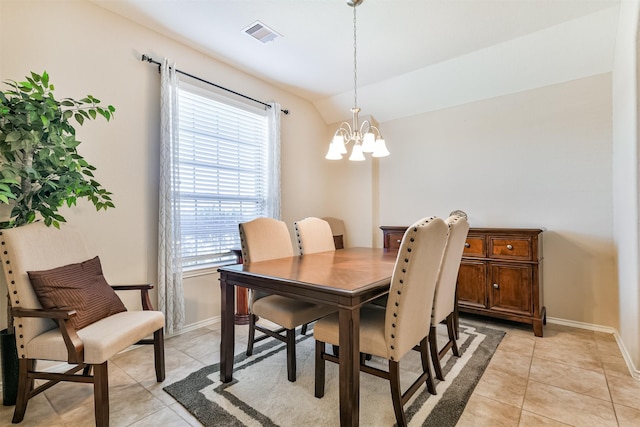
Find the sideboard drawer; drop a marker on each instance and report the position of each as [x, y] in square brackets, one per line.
[504, 247]
[474, 247]
[394, 240]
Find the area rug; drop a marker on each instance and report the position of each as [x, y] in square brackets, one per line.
[260, 394]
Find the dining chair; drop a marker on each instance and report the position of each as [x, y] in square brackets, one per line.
[338, 231]
[314, 235]
[265, 239]
[445, 295]
[456, 315]
[65, 311]
[393, 331]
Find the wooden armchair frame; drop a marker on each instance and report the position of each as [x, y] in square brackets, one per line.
[75, 350]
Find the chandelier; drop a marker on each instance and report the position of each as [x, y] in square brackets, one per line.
[366, 138]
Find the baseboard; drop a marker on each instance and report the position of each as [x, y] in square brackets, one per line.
[582, 325]
[633, 371]
[196, 325]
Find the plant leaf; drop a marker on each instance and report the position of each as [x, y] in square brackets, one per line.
[13, 136]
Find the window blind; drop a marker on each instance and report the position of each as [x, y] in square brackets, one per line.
[222, 175]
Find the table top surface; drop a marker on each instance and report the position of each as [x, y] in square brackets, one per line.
[350, 271]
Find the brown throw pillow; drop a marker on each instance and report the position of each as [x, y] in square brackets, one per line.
[81, 287]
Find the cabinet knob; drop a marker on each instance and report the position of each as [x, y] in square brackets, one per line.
[399, 240]
[509, 247]
[467, 245]
[495, 286]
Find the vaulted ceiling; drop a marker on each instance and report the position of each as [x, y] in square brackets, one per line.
[413, 55]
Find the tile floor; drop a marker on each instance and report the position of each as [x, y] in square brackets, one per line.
[569, 377]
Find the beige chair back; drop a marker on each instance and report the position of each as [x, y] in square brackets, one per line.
[338, 230]
[407, 320]
[314, 235]
[263, 239]
[34, 247]
[444, 299]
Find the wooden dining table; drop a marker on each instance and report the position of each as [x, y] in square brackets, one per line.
[345, 279]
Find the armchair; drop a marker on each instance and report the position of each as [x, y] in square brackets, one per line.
[51, 333]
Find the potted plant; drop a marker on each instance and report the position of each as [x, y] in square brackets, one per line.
[41, 171]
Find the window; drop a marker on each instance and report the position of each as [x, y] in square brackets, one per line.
[223, 173]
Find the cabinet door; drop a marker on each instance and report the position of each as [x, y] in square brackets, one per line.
[511, 288]
[472, 284]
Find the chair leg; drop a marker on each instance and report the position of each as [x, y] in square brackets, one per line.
[435, 358]
[456, 315]
[291, 355]
[158, 353]
[452, 334]
[101, 394]
[320, 369]
[426, 367]
[396, 393]
[25, 385]
[252, 334]
[304, 329]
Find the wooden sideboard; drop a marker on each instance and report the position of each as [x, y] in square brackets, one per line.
[500, 273]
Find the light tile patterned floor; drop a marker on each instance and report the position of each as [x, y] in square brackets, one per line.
[569, 377]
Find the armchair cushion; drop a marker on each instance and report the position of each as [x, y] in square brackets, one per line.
[101, 340]
[80, 286]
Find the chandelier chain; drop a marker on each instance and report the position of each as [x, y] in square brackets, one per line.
[365, 136]
[355, 61]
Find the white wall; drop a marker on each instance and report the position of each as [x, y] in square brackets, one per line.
[88, 50]
[539, 158]
[625, 175]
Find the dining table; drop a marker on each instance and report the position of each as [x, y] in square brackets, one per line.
[345, 279]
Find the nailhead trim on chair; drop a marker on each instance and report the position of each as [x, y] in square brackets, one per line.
[295, 227]
[401, 278]
[13, 292]
[243, 244]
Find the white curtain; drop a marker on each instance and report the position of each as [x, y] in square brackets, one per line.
[170, 292]
[273, 159]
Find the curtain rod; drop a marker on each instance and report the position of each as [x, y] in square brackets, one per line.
[152, 61]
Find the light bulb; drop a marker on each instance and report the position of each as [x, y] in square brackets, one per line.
[380, 149]
[356, 154]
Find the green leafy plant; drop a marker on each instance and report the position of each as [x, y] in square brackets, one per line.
[40, 168]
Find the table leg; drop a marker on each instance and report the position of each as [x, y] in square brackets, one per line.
[227, 342]
[349, 367]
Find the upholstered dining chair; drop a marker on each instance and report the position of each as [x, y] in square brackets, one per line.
[393, 331]
[65, 311]
[264, 239]
[445, 295]
[313, 235]
[338, 230]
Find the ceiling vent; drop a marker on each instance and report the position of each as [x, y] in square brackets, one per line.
[261, 32]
